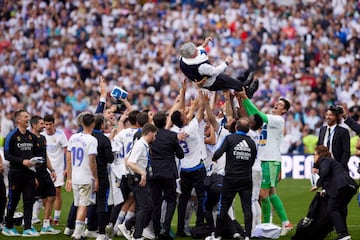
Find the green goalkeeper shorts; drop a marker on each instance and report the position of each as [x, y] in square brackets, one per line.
[270, 171]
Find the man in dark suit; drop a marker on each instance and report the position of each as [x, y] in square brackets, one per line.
[164, 174]
[335, 137]
[339, 187]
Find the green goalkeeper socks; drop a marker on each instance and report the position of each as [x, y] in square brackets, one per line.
[266, 209]
[279, 207]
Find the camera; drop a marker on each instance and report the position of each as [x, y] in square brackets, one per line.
[120, 106]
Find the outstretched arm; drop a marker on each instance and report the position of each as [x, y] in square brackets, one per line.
[250, 108]
[206, 41]
[103, 91]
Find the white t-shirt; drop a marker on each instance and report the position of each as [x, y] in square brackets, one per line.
[219, 167]
[81, 146]
[140, 154]
[270, 139]
[122, 144]
[192, 145]
[55, 145]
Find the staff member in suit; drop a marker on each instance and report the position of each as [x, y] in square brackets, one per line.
[339, 187]
[335, 137]
[163, 182]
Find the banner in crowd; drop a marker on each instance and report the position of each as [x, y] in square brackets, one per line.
[299, 166]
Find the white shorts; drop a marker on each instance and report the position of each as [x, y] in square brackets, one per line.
[83, 194]
[59, 182]
[115, 193]
[256, 180]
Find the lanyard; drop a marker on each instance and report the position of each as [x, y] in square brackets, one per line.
[148, 155]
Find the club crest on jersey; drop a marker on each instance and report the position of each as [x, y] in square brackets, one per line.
[30, 137]
[18, 138]
[202, 51]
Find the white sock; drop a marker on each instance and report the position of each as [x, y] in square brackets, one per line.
[36, 208]
[121, 217]
[284, 223]
[129, 215]
[57, 214]
[79, 228]
[46, 223]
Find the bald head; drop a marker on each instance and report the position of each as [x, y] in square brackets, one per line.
[242, 124]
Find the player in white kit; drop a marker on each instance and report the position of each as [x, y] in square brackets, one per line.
[56, 144]
[82, 171]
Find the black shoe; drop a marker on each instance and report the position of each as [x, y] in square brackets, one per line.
[249, 79]
[181, 234]
[252, 88]
[165, 236]
[344, 236]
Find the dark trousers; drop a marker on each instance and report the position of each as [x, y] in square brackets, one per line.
[226, 202]
[97, 214]
[163, 189]
[210, 201]
[2, 198]
[20, 182]
[190, 180]
[143, 208]
[224, 82]
[337, 208]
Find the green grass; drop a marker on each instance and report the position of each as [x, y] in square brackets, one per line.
[295, 195]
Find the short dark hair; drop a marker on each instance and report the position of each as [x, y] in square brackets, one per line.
[142, 118]
[258, 122]
[148, 128]
[132, 116]
[35, 120]
[88, 119]
[159, 119]
[322, 151]
[286, 103]
[176, 118]
[99, 120]
[49, 118]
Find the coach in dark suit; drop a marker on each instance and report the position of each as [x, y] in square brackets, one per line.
[339, 186]
[335, 137]
[164, 174]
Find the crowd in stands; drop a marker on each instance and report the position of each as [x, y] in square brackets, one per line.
[52, 53]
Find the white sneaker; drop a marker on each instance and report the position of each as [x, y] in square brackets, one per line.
[125, 231]
[68, 231]
[30, 233]
[10, 232]
[102, 237]
[344, 237]
[119, 233]
[75, 237]
[286, 229]
[148, 233]
[132, 238]
[90, 234]
[109, 230]
[49, 230]
[212, 237]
